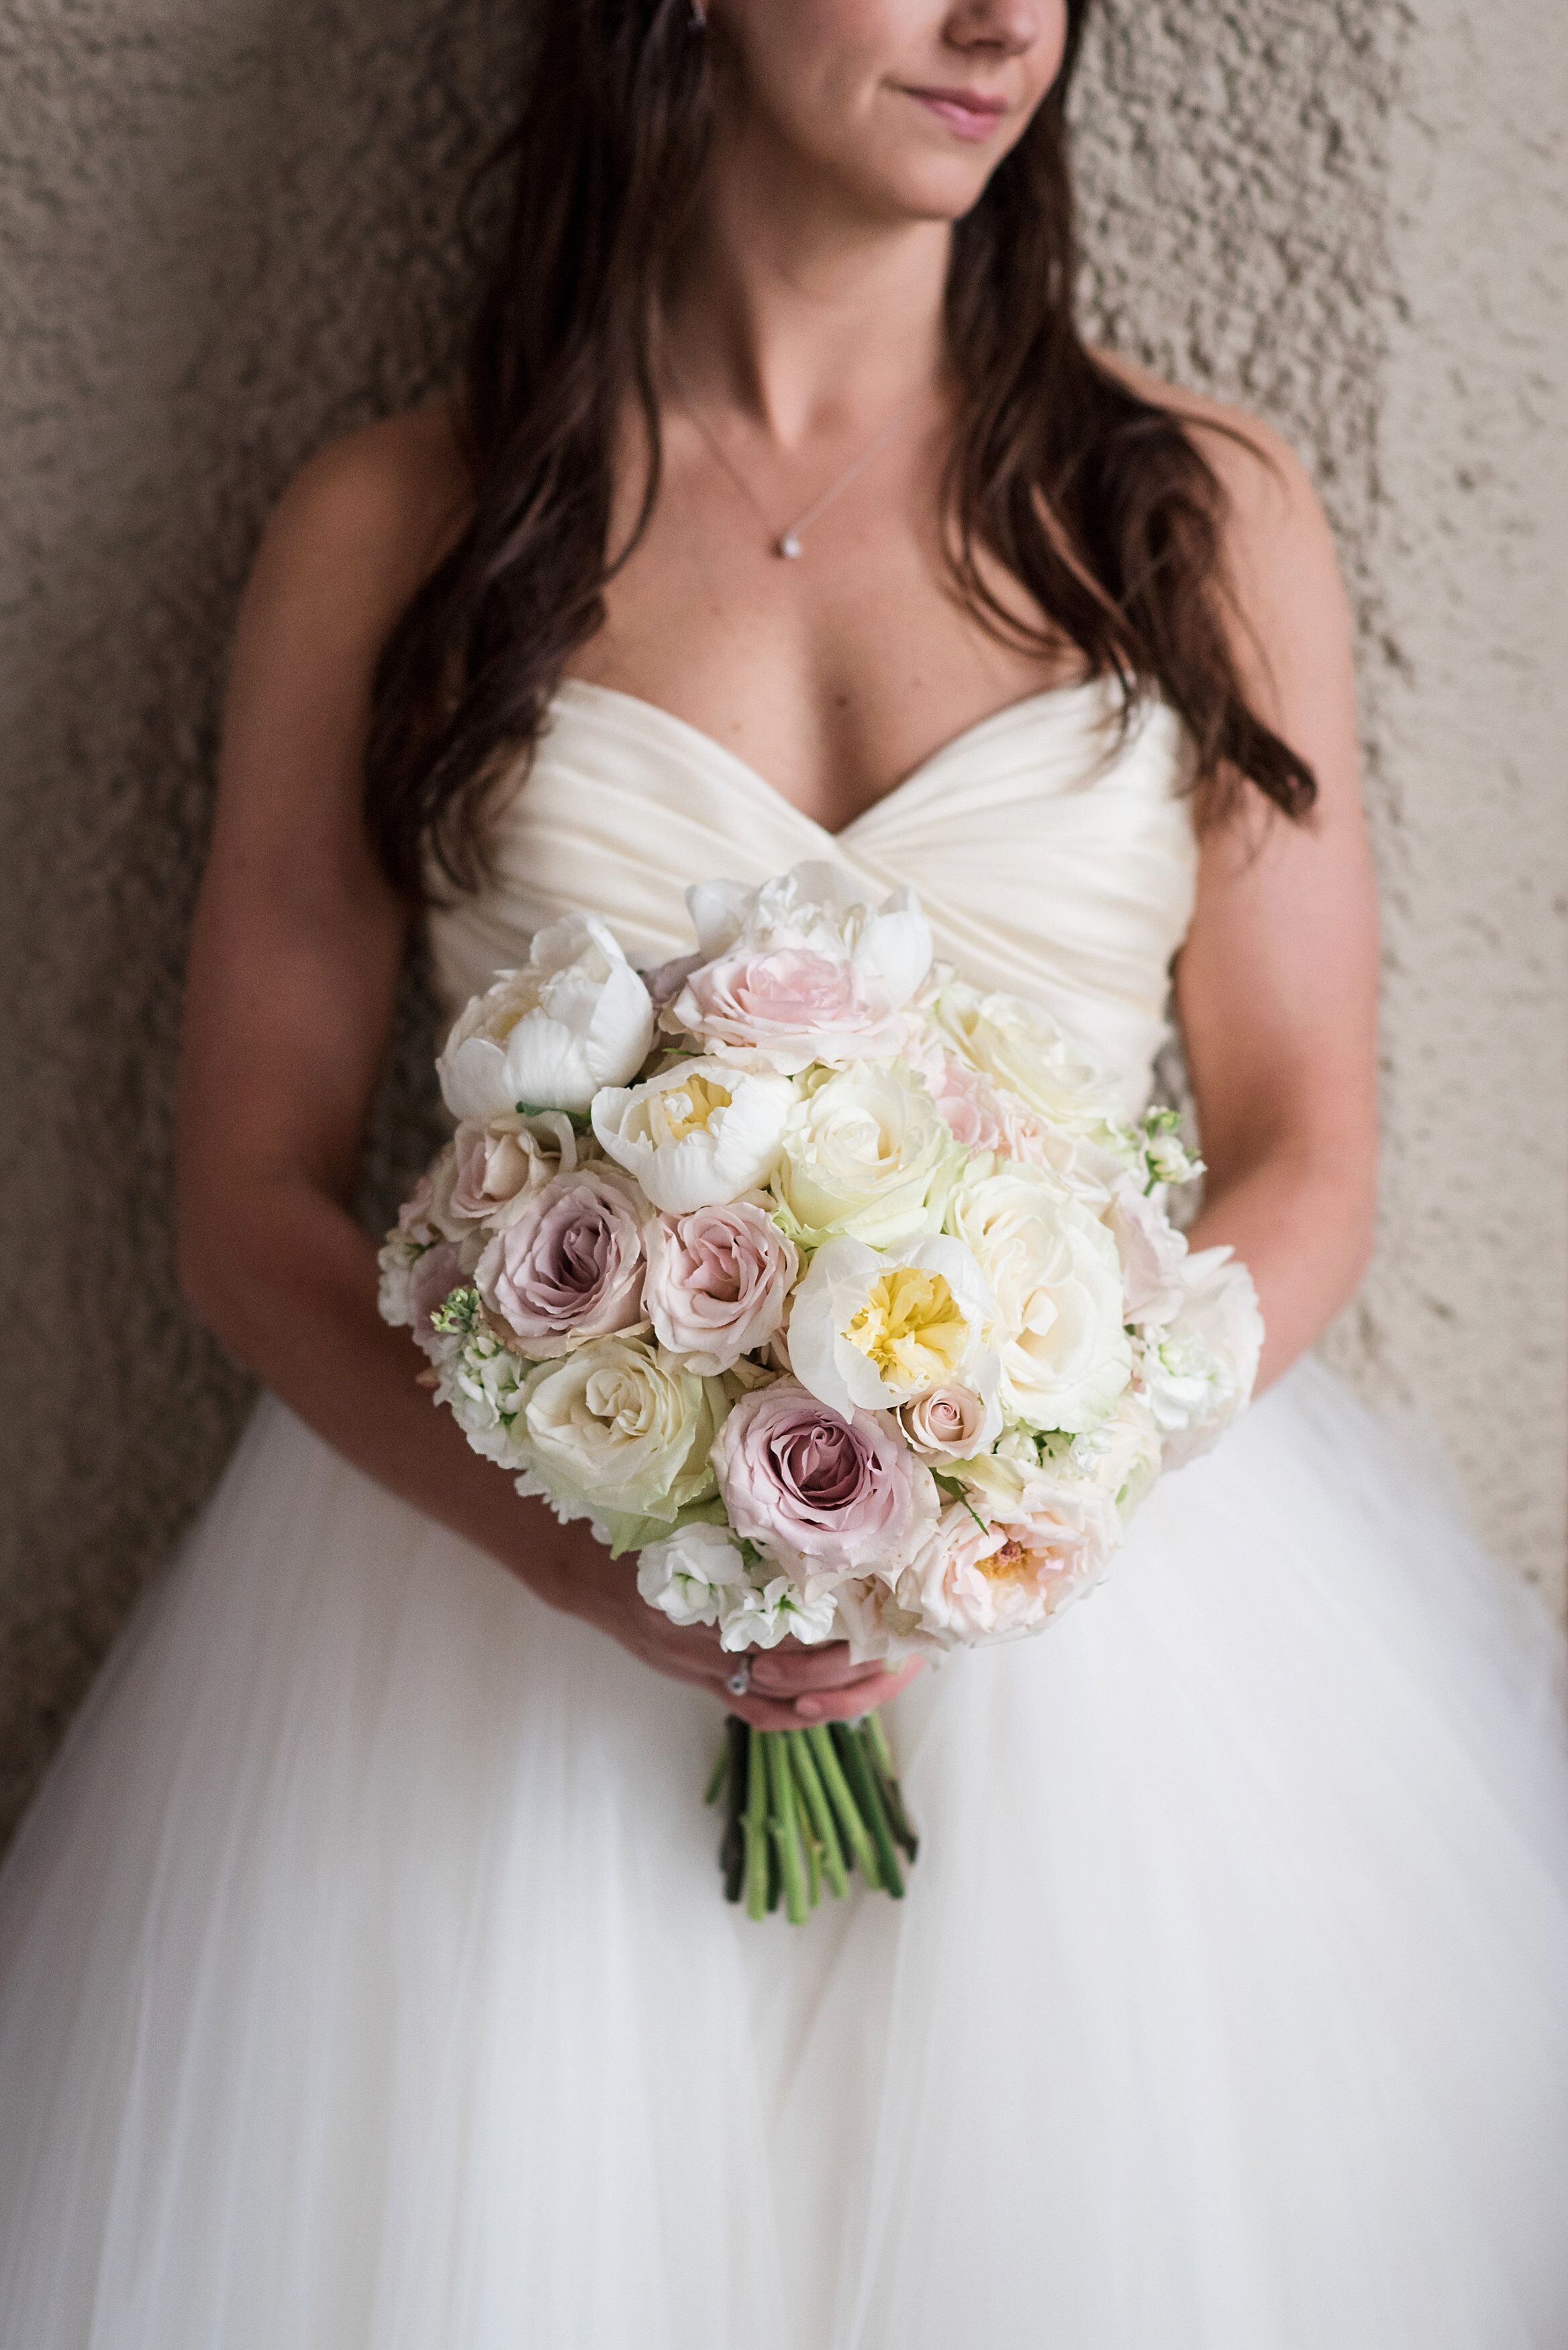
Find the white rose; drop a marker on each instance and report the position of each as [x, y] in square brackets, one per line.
[864, 1153]
[575, 1017]
[1019, 1048]
[696, 1136]
[1196, 1373]
[871, 1329]
[1052, 1269]
[616, 1433]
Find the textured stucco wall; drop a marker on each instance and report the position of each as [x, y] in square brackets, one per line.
[227, 232]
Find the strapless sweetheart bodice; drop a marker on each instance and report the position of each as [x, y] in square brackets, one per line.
[1048, 862]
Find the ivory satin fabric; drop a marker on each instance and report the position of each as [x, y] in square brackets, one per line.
[364, 1978]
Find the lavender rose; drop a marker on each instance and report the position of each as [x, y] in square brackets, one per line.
[823, 1494]
[571, 1268]
[718, 1279]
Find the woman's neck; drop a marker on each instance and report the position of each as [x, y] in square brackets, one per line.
[795, 308]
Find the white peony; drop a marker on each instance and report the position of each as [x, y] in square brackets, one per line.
[864, 1153]
[1053, 1271]
[696, 1136]
[800, 970]
[1196, 1372]
[617, 1433]
[871, 1329]
[574, 1018]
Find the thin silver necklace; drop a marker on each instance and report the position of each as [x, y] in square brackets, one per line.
[787, 542]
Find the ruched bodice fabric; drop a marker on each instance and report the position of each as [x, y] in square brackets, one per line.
[1050, 861]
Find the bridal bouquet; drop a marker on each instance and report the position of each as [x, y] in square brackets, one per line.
[838, 1291]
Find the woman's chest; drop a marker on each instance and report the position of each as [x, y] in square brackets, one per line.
[834, 674]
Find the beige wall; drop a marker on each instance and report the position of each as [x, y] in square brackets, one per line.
[228, 233]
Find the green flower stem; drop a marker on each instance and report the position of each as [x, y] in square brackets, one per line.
[862, 1780]
[888, 1786]
[717, 1776]
[755, 1827]
[732, 1848]
[819, 1811]
[785, 1828]
[813, 1864]
[825, 1753]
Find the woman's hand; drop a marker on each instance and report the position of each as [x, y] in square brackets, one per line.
[791, 1686]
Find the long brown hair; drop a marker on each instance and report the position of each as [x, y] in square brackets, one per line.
[1096, 500]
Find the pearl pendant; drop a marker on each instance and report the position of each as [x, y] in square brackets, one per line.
[789, 547]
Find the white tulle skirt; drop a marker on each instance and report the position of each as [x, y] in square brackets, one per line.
[365, 1982]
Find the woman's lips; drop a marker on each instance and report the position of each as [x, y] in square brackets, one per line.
[964, 111]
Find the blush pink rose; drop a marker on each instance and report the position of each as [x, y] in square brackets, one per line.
[967, 1103]
[507, 1161]
[718, 1279]
[571, 1268]
[791, 1004]
[823, 1494]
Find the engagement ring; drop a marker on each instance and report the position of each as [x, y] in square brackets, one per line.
[739, 1680]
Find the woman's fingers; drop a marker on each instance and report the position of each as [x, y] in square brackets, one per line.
[788, 1671]
[864, 1697]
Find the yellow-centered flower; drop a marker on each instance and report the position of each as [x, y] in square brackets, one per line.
[911, 1328]
[688, 1109]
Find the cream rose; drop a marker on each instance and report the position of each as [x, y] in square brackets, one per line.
[616, 1433]
[502, 1165]
[1053, 1271]
[1019, 1048]
[574, 1018]
[864, 1154]
[870, 1329]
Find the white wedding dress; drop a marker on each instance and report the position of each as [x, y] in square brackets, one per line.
[365, 1980]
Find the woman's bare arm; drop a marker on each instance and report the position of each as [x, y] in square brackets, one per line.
[295, 959]
[1277, 983]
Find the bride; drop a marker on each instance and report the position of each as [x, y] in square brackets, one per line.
[364, 1978]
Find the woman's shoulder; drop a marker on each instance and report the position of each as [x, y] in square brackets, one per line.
[374, 510]
[1277, 545]
[1268, 487]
